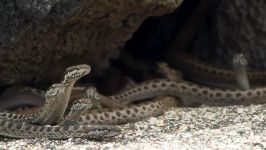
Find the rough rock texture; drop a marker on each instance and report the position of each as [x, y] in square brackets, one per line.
[233, 27]
[208, 128]
[40, 38]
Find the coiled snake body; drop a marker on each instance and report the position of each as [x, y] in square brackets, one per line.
[78, 118]
[57, 96]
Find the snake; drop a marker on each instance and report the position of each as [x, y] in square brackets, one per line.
[200, 72]
[54, 107]
[20, 126]
[56, 100]
[160, 87]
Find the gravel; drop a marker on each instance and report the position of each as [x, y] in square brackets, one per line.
[232, 127]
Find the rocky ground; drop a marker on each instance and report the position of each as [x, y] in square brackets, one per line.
[233, 127]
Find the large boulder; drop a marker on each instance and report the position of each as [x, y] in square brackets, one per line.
[40, 38]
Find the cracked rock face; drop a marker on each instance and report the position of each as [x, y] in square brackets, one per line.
[40, 38]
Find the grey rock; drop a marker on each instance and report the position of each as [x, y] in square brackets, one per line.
[40, 38]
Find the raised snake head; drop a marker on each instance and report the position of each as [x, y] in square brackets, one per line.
[76, 72]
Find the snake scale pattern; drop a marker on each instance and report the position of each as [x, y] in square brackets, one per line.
[84, 122]
[26, 126]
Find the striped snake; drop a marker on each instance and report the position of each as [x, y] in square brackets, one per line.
[190, 93]
[56, 100]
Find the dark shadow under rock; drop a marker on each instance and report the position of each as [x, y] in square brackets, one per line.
[39, 39]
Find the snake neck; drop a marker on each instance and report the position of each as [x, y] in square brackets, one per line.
[242, 78]
[50, 113]
[45, 112]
